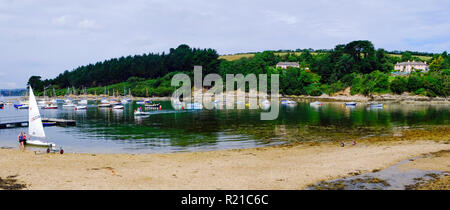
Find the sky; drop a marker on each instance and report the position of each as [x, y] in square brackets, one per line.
[47, 37]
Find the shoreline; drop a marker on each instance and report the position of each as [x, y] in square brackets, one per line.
[281, 167]
[343, 96]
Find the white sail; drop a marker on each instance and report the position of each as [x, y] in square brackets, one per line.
[35, 127]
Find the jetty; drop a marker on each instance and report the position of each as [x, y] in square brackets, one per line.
[57, 122]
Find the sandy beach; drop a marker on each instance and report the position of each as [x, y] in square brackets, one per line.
[277, 167]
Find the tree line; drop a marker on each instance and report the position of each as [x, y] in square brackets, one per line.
[358, 65]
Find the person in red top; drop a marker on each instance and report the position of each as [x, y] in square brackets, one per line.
[22, 140]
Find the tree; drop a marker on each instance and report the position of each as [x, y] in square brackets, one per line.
[399, 85]
[437, 64]
[36, 83]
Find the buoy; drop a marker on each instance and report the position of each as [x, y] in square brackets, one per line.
[160, 107]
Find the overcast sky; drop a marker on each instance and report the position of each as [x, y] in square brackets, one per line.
[43, 37]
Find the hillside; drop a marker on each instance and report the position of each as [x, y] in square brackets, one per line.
[358, 65]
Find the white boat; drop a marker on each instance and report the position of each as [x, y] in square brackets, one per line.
[287, 102]
[35, 126]
[80, 108]
[316, 104]
[118, 107]
[375, 105]
[102, 105]
[265, 104]
[83, 102]
[141, 113]
[140, 102]
[124, 101]
[69, 105]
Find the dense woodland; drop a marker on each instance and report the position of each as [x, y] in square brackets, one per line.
[358, 65]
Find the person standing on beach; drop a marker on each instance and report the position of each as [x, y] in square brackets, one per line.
[22, 140]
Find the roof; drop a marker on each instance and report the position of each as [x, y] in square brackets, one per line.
[287, 64]
[411, 63]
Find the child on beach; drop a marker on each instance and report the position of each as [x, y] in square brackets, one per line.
[22, 140]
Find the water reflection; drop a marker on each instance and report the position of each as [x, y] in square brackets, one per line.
[177, 129]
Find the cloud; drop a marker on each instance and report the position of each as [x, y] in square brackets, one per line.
[87, 24]
[61, 20]
[46, 37]
[281, 17]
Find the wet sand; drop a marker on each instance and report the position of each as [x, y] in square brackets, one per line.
[278, 167]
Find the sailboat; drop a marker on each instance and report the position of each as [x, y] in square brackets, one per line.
[35, 126]
[84, 101]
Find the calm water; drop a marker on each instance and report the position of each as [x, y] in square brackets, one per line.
[109, 131]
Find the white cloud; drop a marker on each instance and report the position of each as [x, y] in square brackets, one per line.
[281, 17]
[61, 20]
[87, 24]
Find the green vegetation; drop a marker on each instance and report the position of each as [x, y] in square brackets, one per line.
[357, 65]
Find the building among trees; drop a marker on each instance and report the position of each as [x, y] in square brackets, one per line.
[408, 67]
[285, 65]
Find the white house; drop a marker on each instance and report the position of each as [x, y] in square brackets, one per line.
[285, 65]
[408, 67]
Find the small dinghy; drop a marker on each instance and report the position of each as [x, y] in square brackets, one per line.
[50, 106]
[36, 127]
[153, 106]
[118, 107]
[375, 105]
[316, 104]
[350, 104]
[287, 102]
[141, 113]
[77, 108]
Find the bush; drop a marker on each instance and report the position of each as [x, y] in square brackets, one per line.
[399, 85]
[313, 89]
[420, 91]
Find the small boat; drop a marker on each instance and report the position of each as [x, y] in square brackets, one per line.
[104, 103]
[80, 108]
[316, 104]
[155, 106]
[69, 105]
[114, 102]
[287, 102]
[83, 102]
[48, 124]
[23, 106]
[50, 106]
[140, 102]
[350, 104]
[194, 106]
[35, 125]
[141, 113]
[265, 104]
[118, 107]
[124, 101]
[375, 105]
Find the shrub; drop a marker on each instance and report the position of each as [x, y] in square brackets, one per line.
[399, 85]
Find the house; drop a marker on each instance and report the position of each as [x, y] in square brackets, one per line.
[285, 65]
[410, 66]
